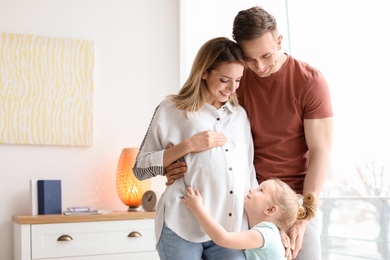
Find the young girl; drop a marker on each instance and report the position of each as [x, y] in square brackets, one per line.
[270, 207]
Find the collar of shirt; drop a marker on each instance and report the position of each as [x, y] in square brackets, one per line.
[227, 105]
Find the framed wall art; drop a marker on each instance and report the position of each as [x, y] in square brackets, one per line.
[46, 90]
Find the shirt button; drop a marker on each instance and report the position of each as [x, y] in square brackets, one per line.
[231, 192]
[217, 118]
[230, 214]
[226, 150]
[230, 168]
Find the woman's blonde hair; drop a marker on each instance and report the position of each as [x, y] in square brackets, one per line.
[293, 206]
[193, 95]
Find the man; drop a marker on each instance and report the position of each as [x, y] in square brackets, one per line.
[289, 108]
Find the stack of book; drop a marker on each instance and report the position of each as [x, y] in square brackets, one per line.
[82, 211]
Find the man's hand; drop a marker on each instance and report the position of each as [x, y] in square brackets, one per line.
[175, 171]
[296, 236]
[286, 244]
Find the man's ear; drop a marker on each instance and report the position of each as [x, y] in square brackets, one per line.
[279, 42]
[271, 210]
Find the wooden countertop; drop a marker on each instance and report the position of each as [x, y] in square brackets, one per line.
[59, 218]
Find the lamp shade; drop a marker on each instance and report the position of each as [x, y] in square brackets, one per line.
[129, 188]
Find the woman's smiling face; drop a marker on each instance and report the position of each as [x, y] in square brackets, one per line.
[222, 82]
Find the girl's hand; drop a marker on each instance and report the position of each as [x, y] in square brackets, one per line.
[193, 200]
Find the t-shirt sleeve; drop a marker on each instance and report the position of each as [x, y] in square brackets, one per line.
[318, 99]
[269, 233]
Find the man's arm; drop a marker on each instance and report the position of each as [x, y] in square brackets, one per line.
[319, 138]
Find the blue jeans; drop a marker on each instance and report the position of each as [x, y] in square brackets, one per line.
[172, 247]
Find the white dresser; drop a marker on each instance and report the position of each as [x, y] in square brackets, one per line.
[109, 236]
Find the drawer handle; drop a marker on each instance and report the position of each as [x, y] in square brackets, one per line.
[134, 234]
[65, 238]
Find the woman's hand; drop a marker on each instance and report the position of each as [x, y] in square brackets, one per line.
[206, 140]
[197, 143]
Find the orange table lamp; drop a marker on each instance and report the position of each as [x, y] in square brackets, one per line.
[129, 188]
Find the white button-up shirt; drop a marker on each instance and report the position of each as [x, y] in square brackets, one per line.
[222, 174]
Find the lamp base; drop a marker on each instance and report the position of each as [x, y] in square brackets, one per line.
[134, 208]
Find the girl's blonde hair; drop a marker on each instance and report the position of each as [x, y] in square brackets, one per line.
[193, 95]
[293, 206]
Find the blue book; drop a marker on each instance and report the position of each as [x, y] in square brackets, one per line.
[49, 197]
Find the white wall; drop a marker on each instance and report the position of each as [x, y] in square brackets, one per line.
[136, 65]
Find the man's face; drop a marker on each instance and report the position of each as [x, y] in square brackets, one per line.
[262, 54]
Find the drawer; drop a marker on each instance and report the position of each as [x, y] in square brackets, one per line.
[129, 256]
[92, 238]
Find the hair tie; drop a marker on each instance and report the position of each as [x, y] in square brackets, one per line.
[300, 201]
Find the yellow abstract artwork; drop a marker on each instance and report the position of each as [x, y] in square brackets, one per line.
[46, 90]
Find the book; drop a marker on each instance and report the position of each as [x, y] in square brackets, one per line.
[49, 197]
[80, 209]
[88, 212]
[33, 197]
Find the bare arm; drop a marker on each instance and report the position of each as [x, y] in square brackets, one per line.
[235, 240]
[319, 138]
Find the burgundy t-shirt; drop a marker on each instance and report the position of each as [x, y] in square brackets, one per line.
[276, 106]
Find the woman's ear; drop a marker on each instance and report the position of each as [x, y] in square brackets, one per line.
[204, 75]
[271, 210]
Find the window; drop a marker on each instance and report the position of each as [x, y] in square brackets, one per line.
[347, 41]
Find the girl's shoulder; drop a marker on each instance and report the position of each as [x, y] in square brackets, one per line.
[266, 225]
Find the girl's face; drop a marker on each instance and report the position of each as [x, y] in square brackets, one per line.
[222, 82]
[258, 200]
